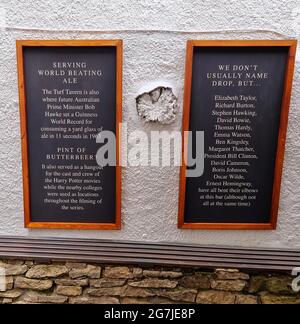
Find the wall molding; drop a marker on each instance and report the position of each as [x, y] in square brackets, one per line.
[142, 253]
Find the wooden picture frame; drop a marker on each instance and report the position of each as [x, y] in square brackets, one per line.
[21, 44]
[191, 45]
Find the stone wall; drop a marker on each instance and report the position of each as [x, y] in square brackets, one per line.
[29, 282]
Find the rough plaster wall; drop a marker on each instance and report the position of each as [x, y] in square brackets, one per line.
[160, 105]
[149, 195]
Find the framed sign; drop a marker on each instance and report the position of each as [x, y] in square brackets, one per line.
[237, 94]
[70, 91]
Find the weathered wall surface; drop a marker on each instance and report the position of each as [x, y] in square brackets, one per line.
[150, 196]
[28, 282]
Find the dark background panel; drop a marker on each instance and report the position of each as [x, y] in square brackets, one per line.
[103, 58]
[264, 135]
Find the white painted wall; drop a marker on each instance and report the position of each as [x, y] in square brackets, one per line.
[150, 195]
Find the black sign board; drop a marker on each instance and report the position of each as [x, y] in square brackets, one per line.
[70, 91]
[237, 94]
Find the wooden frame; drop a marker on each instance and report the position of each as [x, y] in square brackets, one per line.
[24, 138]
[292, 45]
